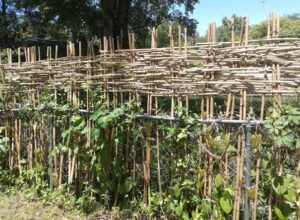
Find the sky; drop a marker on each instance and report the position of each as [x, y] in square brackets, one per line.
[257, 10]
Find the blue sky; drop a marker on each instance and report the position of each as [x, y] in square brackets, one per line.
[257, 10]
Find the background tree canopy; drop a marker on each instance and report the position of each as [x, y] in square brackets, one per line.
[289, 26]
[84, 19]
[74, 20]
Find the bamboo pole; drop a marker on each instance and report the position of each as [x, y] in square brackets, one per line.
[179, 39]
[236, 207]
[246, 31]
[185, 43]
[19, 57]
[232, 32]
[158, 150]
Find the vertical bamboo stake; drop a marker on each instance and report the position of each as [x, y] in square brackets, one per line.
[238, 167]
[17, 138]
[50, 148]
[269, 27]
[56, 54]
[273, 25]
[228, 105]
[39, 53]
[171, 39]
[54, 140]
[242, 32]
[30, 147]
[147, 154]
[80, 50]
[270, 215]
[232, 32]
[246, 31]
[207, 107]
[211, 115]
[50, 53]
[262, 108]
[274, 77]
[209, 33]
[19, 57]
[179, 39]
[245, 105]
[279, 98]
[185, 43]
[61, 169]
[118, 43]
[134, 169]
[158, 150]
[258, 166]
[179, 100]
[171, 68]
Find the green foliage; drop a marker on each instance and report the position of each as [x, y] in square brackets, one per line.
[3, 142]
[87, 201]
[283, 124]
[21, 20]
[224, 31]
[223, 196]
[108, 146]
[258, 31]
[289, 27]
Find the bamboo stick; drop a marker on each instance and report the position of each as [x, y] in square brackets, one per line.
[232, 32]
[158, 150]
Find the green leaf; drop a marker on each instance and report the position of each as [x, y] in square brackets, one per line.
[63, 148]
[80, 126]
[296, 120]
[128, 185]
[95, 134]
[76, 150]
[179, 209]
[104, 121]
[279, 185]
[219, 181]
[251, 193]
[182, 135]
[5, 139]
[256, 141]
[3, 148]
[298, 144]
[176, 190]
[231, 150]
[283, 212]
[97, 114]
[226, 204]
[268, 125]
[291, 195]
[85, 130]
[185, 216]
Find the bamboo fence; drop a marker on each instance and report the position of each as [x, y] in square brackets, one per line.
[236, 70]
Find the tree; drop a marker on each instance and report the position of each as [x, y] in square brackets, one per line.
[9, 25]
[224, 31]
[140, 15]
[84, 19]
[289, 26]
[4, 21]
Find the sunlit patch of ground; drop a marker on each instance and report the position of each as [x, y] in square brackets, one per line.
[17, 207]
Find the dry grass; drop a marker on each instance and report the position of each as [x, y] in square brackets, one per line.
[18, 207]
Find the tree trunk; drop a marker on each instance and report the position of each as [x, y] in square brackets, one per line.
[4, 22]
[116, 18]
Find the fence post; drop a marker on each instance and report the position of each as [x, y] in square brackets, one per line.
[50, 148]
[248, 164]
